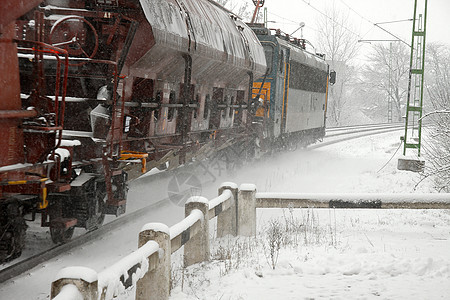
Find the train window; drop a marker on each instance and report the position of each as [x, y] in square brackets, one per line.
[206, 108]
[307, 78]
[268, 51]
[171, 110]
[281, 66]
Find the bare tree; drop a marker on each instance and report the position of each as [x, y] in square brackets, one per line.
[438, 75]
[437, 141]
[388, 73]
[339, 42]
[239, 7]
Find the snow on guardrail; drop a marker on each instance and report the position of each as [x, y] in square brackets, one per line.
[125, 273]
[69, 292]
[189, 221]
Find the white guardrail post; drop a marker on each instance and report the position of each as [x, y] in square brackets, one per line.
[197, 248]
[227, 220]
[74, 283]
[246, 210]
[156, 283]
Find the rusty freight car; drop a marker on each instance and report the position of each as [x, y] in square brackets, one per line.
[98, 88]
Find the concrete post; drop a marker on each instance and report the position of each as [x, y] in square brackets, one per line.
[226, 220]
[84, 279]
[247, 210]
[197, 248]
[411, 164]
[156, 284]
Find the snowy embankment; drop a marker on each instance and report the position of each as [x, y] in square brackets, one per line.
[396, 254]
[331, 253]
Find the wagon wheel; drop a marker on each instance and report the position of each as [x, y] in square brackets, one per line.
[12, 231]
[98, 216]
[71, 34]
[61, 235]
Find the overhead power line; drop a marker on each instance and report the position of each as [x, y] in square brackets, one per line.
[398, 21]
[345, 27]
[377, 24]
[332, 20]
[291, 22]
[361, 16]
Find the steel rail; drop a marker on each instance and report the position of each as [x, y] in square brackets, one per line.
[350, 127]
[350, 135]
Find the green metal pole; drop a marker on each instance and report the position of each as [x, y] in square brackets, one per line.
[423, 75]
[405, 137]
[418, 71]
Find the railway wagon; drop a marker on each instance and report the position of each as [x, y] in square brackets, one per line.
[293, 91]
[108, 87]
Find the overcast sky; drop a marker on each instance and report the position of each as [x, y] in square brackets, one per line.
[361, 15]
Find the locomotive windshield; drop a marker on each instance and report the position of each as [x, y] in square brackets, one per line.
[268, 51]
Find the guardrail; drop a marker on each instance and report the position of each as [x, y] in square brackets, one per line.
[148, 268]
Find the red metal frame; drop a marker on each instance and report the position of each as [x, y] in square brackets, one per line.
[18, 179]
[40, 47]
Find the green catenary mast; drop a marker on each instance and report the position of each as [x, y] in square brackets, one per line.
[414, 105]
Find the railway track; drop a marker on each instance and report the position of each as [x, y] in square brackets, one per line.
[356, 127]
[333, 136]
[341, 134]
[346, 130]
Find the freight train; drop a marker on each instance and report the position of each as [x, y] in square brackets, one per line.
[95, 92]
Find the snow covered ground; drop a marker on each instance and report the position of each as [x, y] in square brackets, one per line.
[329, 254]
[332, 253]
[337, 255]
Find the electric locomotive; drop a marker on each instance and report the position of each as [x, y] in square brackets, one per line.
[293, 92]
